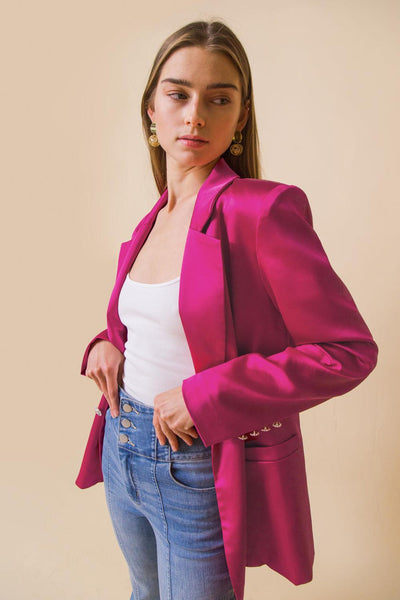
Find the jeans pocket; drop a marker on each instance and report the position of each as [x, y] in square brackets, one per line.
[195, 474]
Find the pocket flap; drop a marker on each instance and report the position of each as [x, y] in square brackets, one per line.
[272, 453]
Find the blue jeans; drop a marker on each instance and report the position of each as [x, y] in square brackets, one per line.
[164, 510]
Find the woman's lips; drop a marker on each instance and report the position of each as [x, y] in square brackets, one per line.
[192, 143]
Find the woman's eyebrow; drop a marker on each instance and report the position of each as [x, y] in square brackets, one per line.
[185, 82]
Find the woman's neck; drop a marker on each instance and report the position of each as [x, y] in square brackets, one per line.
[184, 182]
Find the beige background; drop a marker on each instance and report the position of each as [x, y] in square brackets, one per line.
[76, 179]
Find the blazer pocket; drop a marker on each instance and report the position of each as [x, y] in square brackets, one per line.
[278, 512]
[273, 453]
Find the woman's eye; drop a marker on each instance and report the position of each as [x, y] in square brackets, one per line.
[224, 100]
[176, 94]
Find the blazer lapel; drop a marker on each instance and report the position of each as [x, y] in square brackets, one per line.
[203, 294]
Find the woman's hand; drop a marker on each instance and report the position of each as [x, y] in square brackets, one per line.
[171, 418]
[105, 366]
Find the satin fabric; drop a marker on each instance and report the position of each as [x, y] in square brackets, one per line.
[272, 331]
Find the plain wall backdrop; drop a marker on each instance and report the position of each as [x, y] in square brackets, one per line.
[75, 181]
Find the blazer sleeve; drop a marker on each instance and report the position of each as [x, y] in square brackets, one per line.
[330, 349]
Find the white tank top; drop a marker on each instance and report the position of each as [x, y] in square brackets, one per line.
[157, 355]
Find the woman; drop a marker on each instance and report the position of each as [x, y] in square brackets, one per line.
[226, 320]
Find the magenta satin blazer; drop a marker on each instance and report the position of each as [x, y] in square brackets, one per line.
[272, 331]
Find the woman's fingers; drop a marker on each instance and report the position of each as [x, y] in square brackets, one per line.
[171, 436]
[159, 432]
[167, 433]
[112, 391]
[105, 367]
[108, 385]
[186, 438]
[192, 431]
[164, 432]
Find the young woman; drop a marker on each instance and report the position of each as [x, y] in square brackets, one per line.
[226, 320]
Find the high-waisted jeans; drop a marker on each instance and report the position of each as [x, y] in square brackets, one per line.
[164, 510]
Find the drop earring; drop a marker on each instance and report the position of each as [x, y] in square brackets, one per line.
[153, 139]
[236, 148]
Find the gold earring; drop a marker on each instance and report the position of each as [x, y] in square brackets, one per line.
[236, 148]
[153, 139]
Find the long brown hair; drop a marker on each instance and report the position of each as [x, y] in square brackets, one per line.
[217, 37]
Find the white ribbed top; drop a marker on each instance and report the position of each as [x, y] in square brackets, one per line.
[157, 356]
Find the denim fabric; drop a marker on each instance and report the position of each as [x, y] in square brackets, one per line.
[163, 508]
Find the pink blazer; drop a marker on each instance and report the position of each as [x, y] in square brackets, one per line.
[272, 331]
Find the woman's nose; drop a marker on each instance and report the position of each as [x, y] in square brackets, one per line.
[193, 116]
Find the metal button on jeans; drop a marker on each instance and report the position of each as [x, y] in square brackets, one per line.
[128, 408]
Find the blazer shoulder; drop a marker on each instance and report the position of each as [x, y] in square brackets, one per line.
[259, 196]
[251, 185]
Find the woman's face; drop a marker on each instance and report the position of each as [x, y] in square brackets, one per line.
[198, 93]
